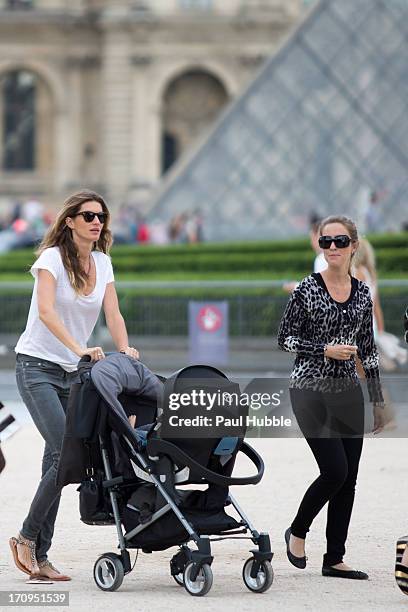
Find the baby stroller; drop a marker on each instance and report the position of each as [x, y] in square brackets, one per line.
[132, 477]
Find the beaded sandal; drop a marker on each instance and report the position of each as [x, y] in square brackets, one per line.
[13, 543]
[59, 578]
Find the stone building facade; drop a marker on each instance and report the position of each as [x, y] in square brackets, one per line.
[109, 93]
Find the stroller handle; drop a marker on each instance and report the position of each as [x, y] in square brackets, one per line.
[156, 446]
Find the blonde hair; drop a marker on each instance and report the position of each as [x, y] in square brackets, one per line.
[60, 235]
[350, 227]
[365, 256]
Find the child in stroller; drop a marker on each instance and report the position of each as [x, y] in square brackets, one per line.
[132, 477]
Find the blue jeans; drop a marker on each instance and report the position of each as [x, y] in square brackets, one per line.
[44, 388]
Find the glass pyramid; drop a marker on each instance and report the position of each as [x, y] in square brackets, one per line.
[323, 125]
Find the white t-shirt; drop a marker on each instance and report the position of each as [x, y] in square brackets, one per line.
[78, 313]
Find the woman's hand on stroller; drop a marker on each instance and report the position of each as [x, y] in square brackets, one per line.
[132, 352]
[96, 353]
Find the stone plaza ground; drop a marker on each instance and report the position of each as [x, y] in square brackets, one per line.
[380, 516]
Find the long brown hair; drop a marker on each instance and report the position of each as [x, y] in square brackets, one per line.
[348, 224]
[60, 235]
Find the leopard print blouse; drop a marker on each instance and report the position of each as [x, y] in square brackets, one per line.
[313, 319]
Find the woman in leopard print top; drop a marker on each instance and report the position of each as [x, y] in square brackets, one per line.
[327, 322]
[313, 320]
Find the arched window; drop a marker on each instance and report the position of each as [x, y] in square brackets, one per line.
[18, 93]
[191, 103]
[169, 151]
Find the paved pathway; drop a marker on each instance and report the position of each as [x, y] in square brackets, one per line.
[380, 516]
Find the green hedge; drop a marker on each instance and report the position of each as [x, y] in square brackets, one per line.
[228, 262]
[392, 260]
[262, 246]
[291, 258]
[388, 260]
[211, 262]
[398, 240]
[383, 241]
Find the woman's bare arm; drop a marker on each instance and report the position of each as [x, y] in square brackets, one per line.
[114, 319]
[116, 323]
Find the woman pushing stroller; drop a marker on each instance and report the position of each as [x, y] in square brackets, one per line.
[73, 281]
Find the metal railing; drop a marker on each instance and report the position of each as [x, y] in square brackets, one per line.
[161, 308]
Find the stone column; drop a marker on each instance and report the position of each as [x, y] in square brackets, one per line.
[116, 101]
[68, 131]
[146, 130]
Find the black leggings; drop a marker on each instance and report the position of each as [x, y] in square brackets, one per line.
[338, 459]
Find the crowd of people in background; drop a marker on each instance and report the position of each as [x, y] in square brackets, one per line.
[32, 218]
[131, 227]
[26, 222]
[22, 216]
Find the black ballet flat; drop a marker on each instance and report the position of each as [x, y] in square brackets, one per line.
[337, 573]
[299, 562]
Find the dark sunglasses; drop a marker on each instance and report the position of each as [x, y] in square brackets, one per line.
[90, 216]
[341, 242]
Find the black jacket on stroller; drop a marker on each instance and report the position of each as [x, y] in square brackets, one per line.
[107, 393]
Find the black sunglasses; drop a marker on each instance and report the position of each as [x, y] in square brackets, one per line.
[341, 242]
[90, 216]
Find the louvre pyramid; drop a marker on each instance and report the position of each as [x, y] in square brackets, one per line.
[323, 124]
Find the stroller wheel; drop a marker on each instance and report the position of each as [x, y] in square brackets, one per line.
[179, 579]
[109, 572]
[203, 582]
[178, 563]
[263, 579]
